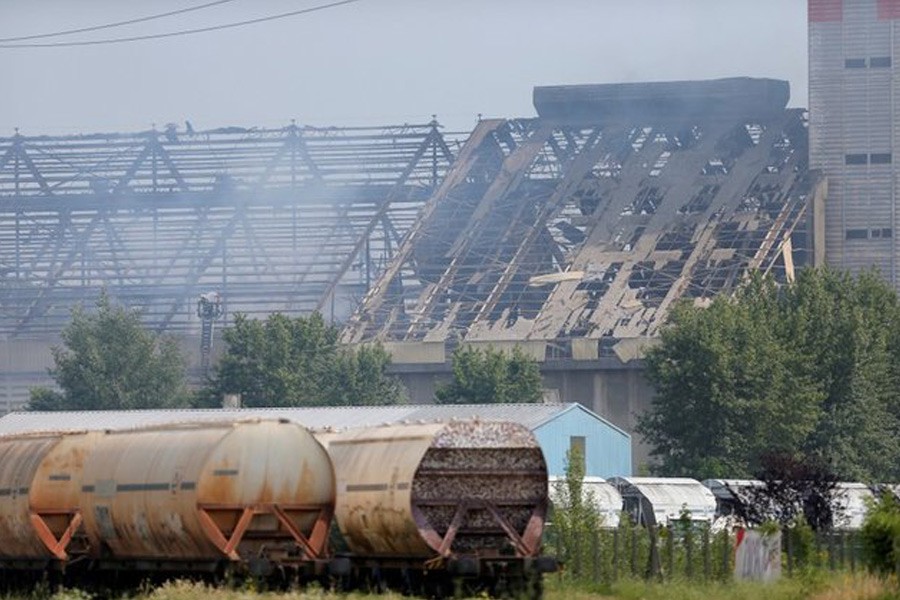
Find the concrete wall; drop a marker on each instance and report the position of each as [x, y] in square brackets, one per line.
[614, 390]
[854, 71]
[24, 364]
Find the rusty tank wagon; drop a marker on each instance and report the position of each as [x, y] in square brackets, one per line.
[420, 507]
[181, 497]
[428, 502]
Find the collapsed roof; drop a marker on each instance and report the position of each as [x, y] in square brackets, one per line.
[589, 221]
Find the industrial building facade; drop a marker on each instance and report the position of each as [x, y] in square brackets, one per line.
[852, 126]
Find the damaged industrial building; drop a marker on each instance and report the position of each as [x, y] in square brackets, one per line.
[572, 234]
[576, 230]
[569, 234]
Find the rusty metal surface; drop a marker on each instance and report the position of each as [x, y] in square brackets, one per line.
[56, 491]
[20, 458]
[439, 489]
[374, 468]
[205, 491]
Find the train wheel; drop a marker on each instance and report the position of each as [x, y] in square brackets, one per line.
[375, 582]
[473, 588]
[520, 587]
[411, 582]
[534, 587]
[439, 587]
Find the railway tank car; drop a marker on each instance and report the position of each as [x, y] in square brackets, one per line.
[193, 497]
[421, 507]
[196, 495]
[40, 514]
[429, 501]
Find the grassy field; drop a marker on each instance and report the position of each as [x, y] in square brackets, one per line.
[833, 587]
[838, 587]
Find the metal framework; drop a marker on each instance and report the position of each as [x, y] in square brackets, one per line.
[587, 230]
[289, 220]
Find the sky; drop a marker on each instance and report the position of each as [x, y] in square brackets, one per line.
[371, 62]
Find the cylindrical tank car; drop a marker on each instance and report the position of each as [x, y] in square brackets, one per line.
[179, 497]
[426, 501]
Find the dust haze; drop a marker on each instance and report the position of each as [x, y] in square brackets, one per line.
[374, 61]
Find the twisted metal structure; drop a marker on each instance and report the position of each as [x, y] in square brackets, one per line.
[292, 219]
[580, 228]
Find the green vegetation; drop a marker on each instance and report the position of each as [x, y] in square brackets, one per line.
[574, 514]
[681, 552]
[807, 369]
[285, 361]
[881, 536]
[109, 361]
[485, 376]
[841, 586]
[593, 552]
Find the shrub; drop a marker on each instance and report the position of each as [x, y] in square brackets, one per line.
[881, 536]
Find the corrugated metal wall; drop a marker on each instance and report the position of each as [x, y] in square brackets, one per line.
[24, 364]
[607, 448]
[852, 60]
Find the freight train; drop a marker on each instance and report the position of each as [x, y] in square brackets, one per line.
[423, 507]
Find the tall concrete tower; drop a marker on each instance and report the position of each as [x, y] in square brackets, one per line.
[853, 120]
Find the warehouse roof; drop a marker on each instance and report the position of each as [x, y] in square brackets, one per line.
[573, 234]
[529, 415]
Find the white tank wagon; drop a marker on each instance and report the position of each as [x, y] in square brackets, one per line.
[604, 496]
[663, 500]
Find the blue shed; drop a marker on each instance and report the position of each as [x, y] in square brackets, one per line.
[606, 448]
[558, 427]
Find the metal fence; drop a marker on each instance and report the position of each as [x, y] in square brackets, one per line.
[667, 553]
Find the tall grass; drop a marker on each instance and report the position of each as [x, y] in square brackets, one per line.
[814, 586]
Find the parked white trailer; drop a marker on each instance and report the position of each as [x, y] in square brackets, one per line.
[604, 496]
[663, 500]
[848, 502]
[850, 505]
[731, 492]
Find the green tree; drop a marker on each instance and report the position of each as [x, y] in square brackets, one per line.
[285, 361]
[808, 369]
[575, 510]
[109, 361]
[880, 535]
[485, 376]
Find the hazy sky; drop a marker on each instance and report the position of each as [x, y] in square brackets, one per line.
[372, 62]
